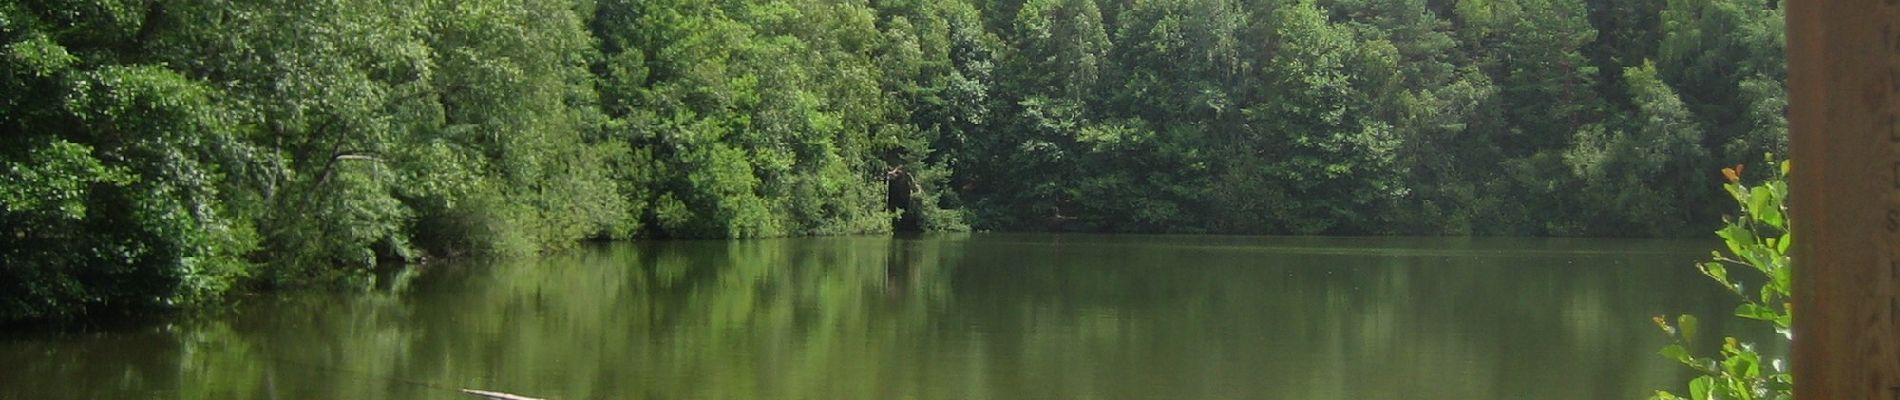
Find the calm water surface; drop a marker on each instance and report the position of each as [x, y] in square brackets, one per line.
[955, 317]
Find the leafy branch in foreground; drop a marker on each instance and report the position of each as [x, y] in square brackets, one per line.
[1758, 241]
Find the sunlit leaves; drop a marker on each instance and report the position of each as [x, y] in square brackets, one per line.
[1314, 130]
[1727, 57]
[1756, 240]
[39, 56]
[53, 182]
[767, 118]
[1061, 47]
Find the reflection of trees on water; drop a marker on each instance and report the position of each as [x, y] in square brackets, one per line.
[982, 317]
[742, 319]
[1377, 322]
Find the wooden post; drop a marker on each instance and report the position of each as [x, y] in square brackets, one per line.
[1844, 122]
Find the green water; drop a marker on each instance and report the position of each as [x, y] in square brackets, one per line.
[958, 317]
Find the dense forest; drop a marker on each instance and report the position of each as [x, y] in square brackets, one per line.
[156, 153]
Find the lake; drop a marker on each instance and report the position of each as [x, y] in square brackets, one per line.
[980, 316]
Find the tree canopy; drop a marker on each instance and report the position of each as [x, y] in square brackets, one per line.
[161, 153]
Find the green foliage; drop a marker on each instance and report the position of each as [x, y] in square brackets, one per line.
[168, 152]
[1757, 241]
[180, 150]
[764, 119]
[519, 104]
[112, 192]
[1625, 175]
[1728, 59]
[1316, 158]
[1060, 47]
[1523, 117]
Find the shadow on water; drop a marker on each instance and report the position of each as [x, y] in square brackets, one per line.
[940, 317]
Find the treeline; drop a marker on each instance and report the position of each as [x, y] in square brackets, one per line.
[159, 152]
[1492, 117]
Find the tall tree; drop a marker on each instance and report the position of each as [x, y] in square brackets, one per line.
[1309, 155]
[1644, 180]
[1727, 59]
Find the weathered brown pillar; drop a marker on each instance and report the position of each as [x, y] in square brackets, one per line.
[1844, 119]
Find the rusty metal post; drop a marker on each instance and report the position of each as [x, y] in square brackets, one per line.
[1844, 123]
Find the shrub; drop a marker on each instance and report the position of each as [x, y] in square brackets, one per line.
[1758, 240]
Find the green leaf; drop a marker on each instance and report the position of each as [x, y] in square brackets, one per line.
[1678, 353]
[1783, 277]
[1687, 323]
[1755, 311]
[1717, 271]
[1759, 202]
[1736, 236]
[1772, 216]
[1699, 388]
[1744, 364]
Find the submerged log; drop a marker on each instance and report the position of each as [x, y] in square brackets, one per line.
[483, 394]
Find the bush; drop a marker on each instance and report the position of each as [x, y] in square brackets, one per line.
[1758, 241]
